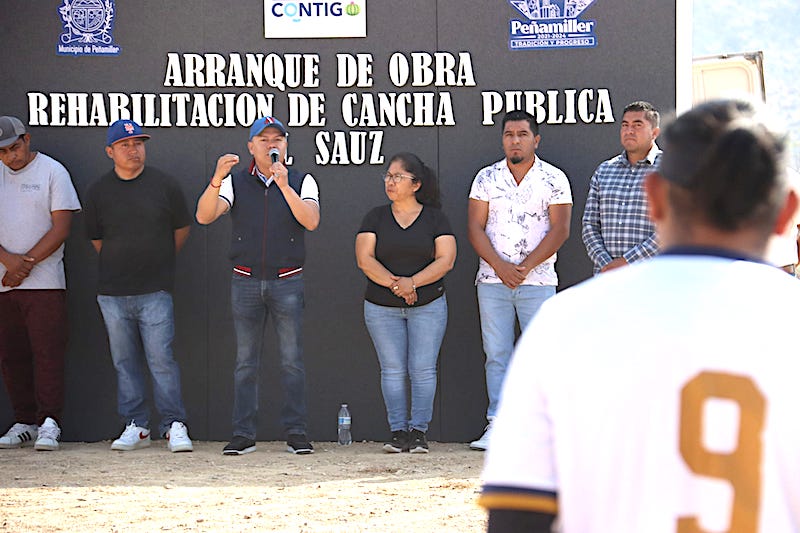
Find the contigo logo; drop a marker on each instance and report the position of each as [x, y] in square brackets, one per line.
[299, 19]
[352, 9]
[299, 10]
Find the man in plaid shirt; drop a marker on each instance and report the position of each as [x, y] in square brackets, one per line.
[616, 227]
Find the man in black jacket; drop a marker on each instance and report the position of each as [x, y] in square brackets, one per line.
[274, 207]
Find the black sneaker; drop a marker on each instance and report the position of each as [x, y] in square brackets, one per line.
[399, 442]
[418, 442]
[239, 446]
[298, 444]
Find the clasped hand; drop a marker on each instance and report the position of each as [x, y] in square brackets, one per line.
[510, 274]
[404, 288]
[18, 267]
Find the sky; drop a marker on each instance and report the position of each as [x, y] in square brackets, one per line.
[732, 26]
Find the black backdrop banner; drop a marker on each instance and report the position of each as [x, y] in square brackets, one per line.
[432, 77]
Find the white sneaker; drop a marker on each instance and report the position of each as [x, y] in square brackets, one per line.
[49, 433]
[178, 438]
[19, 435]
[133, 438]
[482, 444]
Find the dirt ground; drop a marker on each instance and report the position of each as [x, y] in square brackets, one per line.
[357, 488]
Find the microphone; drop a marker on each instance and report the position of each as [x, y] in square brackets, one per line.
[274, 154]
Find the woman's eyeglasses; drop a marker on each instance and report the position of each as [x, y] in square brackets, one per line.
[395, 178]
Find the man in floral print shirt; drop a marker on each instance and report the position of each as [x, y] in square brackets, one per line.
[518, 218]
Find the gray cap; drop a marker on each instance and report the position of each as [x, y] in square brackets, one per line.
[10, 130]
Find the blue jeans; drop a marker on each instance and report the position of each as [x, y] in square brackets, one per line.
[252, 301]
[141, 328]
[407, 341]
[499, 308]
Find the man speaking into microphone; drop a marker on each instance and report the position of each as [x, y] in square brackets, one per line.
[273, 208]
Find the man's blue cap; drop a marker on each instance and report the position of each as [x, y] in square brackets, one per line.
[124, 129]
[264, 123]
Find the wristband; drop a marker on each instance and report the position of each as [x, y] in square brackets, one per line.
[215, 186]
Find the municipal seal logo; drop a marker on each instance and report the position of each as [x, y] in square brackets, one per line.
[551, 24]
[550, 9]
[87, 27]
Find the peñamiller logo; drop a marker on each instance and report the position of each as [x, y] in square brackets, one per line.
[314, 19]
[551, 24]
[87, 27]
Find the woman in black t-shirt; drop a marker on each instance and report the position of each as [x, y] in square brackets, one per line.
[405, 248]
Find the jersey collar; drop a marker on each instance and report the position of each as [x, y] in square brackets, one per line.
[712, 251]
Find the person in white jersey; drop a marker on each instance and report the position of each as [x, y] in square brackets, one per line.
[660, 397]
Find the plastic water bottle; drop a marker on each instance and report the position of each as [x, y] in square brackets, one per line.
[345, 438]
